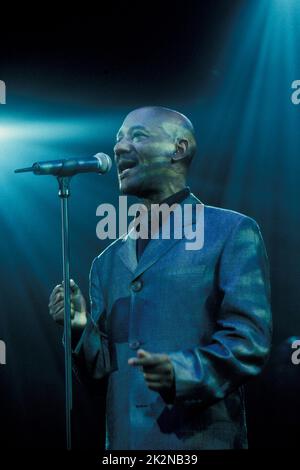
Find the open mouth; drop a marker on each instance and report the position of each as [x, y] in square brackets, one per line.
[125, 166]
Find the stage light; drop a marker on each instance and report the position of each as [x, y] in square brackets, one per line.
[56, 129]
[6, 132]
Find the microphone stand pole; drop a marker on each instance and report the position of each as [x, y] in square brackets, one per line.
[100, 163]
[64, 193]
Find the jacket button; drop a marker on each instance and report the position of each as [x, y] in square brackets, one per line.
[136, 285]
[134, 344]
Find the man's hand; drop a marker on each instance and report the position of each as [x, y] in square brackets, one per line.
[78, 305]
[158, 372]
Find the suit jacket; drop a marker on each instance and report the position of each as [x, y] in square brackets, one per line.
[208, 309]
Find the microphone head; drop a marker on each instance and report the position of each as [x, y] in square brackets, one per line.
[104, 161]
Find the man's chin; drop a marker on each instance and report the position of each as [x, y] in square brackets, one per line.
[128, 189]
[133, 187]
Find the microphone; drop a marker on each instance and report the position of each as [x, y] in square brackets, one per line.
[99, 163]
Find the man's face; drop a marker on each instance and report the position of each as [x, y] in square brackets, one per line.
[143, 153]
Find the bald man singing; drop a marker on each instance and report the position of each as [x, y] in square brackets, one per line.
[172, 334]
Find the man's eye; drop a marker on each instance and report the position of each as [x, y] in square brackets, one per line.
[137, 135]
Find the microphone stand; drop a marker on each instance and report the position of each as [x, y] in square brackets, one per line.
[64, 193]
[99, 163]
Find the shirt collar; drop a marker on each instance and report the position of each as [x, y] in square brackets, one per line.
[177, 197]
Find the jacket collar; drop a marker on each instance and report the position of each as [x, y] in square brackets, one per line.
[156, 247]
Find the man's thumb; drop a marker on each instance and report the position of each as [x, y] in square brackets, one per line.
[73, 286]
[143, 353]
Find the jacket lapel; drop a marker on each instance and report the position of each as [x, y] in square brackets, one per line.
[156, 247]
[127, 252]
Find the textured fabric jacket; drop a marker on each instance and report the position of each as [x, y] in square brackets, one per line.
[208, 309]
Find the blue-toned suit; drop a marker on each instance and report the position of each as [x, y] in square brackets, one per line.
[208, 309]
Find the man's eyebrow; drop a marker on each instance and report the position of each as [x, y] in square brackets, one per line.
[137, 127]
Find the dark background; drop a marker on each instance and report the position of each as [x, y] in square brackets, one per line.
[71, 78]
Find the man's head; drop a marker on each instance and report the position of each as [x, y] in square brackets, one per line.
[154, 148]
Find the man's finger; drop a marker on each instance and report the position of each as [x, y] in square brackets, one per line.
[56, 290]
[74, 287]
[152, 377]
[58, 287]
[60, 312]
[146, 361]
[59, 315]
[54, 309]
[56, 299]
[143, 353]
[60, 307]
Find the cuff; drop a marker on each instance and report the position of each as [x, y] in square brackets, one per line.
[186, 379]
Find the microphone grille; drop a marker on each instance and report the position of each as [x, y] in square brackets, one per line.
[104, 160]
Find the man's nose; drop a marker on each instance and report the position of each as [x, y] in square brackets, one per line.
[122, 146]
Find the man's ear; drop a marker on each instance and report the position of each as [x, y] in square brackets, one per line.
[182, 146]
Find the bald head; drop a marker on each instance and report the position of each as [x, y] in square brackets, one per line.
[175, 125]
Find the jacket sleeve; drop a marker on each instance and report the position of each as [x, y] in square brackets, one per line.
[240, 344]
[92, 362]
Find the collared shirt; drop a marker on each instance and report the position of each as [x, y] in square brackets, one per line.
[175, 198]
